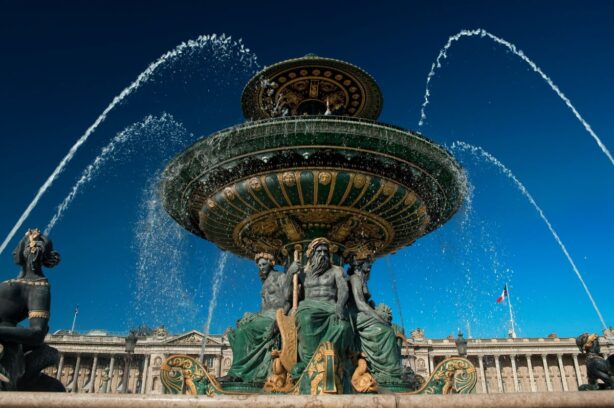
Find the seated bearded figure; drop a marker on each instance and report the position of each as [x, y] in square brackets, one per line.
[22, 351]
[256, 335]
[378, 341]
[321, 314]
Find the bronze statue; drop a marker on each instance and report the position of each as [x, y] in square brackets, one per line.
[597, 367]
[257, 335]
[377, 339]
[321, 315]
[28, 296]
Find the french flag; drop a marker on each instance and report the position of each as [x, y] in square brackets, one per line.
[503, 294]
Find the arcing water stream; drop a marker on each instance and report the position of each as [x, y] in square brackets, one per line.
[485, 34]
[482, 154]
[150, 127]
[221, 46]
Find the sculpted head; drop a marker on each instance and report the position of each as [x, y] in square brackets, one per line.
[361, 261]
[265, 262]
[318, 253]
[588, 343]
[34, 251]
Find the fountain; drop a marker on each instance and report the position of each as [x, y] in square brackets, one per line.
[312, 175]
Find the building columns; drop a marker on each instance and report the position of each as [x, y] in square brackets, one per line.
[431, 364]
[499, 380]
[110, 388]
[482, 374]
[144, 377]
[514, 374]
[93, 375]
[58, 375]
[562, 371]
[547, 372]
[531, 377]
[576, 366]
[75, 380]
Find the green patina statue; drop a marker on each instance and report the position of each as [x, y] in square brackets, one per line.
[321, 315]
[376, 338]
[257, 335]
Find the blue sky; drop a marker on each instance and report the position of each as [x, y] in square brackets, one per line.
[63, 62]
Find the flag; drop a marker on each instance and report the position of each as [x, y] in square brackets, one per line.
[503, 294]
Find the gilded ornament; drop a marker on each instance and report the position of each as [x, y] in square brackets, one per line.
[229, 193]
[324, 178]
[410, 198]
[360, 180]
[389, 188]
[40, 314]
[211, 203]
[254, 184]
[289, 179]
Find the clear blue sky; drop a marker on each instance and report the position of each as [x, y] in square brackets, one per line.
[63, 62]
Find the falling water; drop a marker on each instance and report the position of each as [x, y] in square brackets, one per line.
[395, 290]
[485, 34]
[215, 289]
[150, 126]
[481, 153]
[160, 245]
[222, 47]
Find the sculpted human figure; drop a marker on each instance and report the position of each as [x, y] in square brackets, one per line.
[321, 314]
[256, 334]
[378, 341]
[28, 297]
[597, 367]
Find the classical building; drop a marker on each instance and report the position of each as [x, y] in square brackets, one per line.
[96, 362]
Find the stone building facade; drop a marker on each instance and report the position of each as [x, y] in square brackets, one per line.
[96, 362]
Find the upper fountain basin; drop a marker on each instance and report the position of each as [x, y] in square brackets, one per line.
[272, 184]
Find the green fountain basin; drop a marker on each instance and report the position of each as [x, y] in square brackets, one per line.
[273, 184]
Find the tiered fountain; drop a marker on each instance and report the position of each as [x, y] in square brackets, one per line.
[312, 162]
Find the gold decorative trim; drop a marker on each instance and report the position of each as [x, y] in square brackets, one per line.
[245, 203]
[331, 191]
[348, 189]
[375, 196]
[386, 201]
[362, 192]
[289, 179]
[268, 192]
[252, 192]
[324, 178]
[299, 187]
[38, 314]
[316, 184]
[254, 184]
[29, 282]
[380, 222]
[282, 186]
[300, 147]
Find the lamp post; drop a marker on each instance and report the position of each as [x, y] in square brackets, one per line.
[131, 340]
[461, 344]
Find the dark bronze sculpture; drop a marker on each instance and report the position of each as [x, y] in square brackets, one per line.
[377, 339]
[321, 315]
[256, 335]
[597, 367]
[27, 296]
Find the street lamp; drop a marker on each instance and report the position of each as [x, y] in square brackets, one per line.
[129, 347]
[461, 344]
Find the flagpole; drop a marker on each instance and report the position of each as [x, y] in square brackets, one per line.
[74, 320]
[509, 302]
